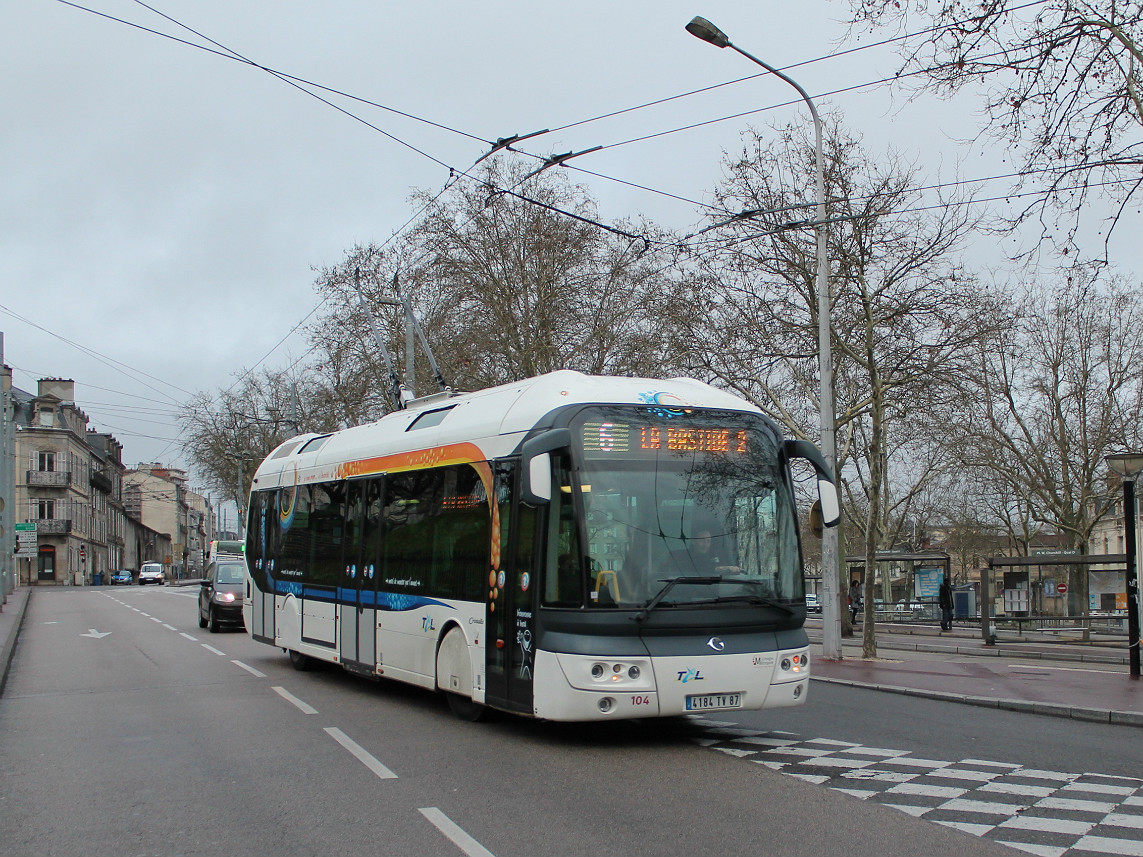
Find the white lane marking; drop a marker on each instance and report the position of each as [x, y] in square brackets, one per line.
[249, 669]
[153, 619]
[1030, 669]
[304, 707]
[368, 760]
[210, 648]
[169, 627]
[188, 636]
[454, 833]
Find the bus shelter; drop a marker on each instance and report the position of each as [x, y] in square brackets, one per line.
[905, 583]
[1058, 589]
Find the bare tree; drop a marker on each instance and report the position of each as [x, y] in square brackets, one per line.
[511, 277]
[230, 432]
[903, 308]
[1054, 394]
[1061, 80]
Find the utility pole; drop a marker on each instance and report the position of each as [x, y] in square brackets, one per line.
[7, 482]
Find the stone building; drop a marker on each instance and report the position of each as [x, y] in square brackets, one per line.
[69, 484]
[158, 496]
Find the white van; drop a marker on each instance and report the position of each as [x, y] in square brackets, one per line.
[151, 572]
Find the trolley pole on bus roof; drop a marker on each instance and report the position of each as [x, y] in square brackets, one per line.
[831, 603]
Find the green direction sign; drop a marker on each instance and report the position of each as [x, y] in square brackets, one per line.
[27, 541]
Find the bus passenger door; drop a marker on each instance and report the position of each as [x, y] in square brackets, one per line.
[510, 614]
[358, 625]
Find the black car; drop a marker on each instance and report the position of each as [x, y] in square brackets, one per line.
[220, 598]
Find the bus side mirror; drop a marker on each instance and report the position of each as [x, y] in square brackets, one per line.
[830, 504]
[536, 465]
[827, 489]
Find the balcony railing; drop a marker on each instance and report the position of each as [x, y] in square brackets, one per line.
[53, 526]
[49, 478]
[101, 481]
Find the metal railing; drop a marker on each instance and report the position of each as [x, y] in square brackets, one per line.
[48, 478]
[53, 526]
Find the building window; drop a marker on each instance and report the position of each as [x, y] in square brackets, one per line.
[46, 462]
[46, 510]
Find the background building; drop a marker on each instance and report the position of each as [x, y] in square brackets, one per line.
[93, 516]
[158, 497]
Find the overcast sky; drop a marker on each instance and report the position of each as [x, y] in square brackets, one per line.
[162, 207]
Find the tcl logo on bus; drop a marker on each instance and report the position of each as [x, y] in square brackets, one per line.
[690, 675]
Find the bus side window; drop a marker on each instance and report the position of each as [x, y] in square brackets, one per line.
[327, 525]
[294, 549]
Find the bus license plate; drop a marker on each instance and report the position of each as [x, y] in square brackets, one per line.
[714, 701]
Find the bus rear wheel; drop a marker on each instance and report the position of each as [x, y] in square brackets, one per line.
[302, 663]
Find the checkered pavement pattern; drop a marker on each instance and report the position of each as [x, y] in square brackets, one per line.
[1047, 813]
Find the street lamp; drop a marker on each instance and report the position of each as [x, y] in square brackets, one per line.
[831, 608]
[1128, 465]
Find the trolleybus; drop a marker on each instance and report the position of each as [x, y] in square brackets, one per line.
[567, 547]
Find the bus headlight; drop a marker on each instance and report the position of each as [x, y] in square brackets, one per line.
[606, 704]
[597, 671]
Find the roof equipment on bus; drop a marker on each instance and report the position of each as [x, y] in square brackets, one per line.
[399, 394]
[416, 325]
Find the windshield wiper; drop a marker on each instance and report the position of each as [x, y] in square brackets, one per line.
[749, 599]
[671, 583]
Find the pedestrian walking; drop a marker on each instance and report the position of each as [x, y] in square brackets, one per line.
[945, 598]
[854, 600]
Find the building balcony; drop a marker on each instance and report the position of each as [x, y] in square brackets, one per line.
[101, 481]
[53, 526]
[49, 478]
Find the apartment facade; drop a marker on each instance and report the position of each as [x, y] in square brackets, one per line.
[69, 484]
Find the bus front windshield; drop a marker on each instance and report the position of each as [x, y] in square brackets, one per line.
[679, 509]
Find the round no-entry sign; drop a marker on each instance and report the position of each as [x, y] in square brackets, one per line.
[1062, 588]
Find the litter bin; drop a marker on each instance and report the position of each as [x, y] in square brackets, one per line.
[97, 579]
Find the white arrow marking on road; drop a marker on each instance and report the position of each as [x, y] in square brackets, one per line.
[95, 635]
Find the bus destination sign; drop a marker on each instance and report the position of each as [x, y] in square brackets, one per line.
[620, 438]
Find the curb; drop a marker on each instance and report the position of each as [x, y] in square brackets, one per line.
[8, 645]
[1000, 650]
[1094, 715]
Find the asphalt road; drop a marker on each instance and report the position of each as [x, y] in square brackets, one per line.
[126, 730]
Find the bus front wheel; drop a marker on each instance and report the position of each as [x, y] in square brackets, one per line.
[464, 708]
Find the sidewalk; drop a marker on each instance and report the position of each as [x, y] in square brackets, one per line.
[1008, 676]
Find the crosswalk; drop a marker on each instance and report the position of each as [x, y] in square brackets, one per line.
[1046, 813]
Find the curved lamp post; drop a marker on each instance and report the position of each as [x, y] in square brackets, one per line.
[831, 608]
[1129, 465]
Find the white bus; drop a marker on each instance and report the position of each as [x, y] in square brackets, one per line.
[566, 547]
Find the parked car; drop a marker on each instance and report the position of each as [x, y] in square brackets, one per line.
[151, 572]
[122, 577]
[913, 608]
[220, 595]
[813, 604]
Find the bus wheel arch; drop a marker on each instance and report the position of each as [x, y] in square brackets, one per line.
[454, 673]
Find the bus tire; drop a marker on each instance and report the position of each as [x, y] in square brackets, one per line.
[302, 663]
